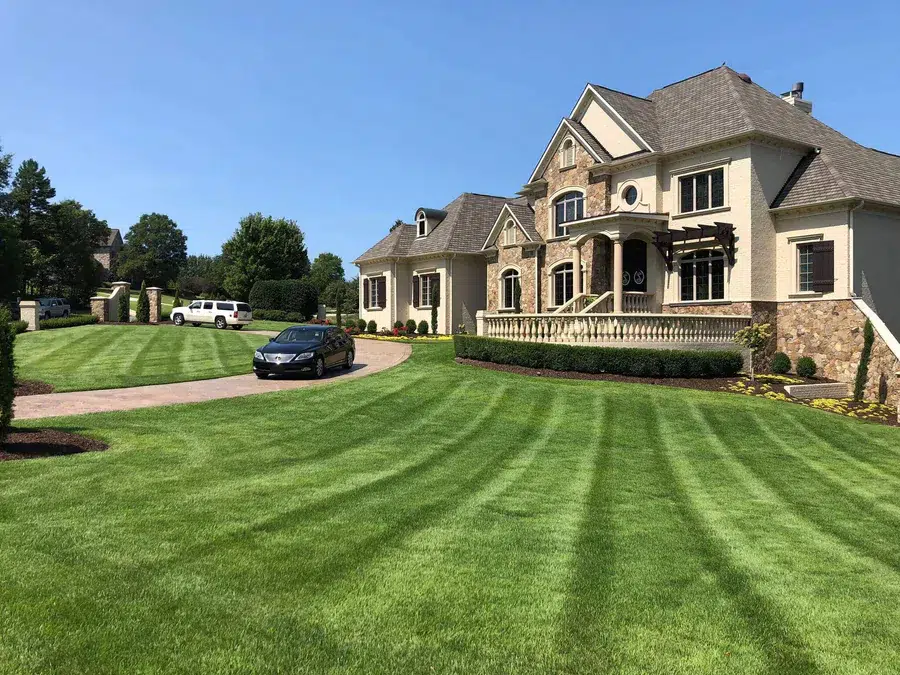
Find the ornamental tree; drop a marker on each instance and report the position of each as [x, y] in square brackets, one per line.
[754, 338]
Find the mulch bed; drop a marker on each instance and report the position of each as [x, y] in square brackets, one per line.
[35, 443]
[32, 387]
[765, 387]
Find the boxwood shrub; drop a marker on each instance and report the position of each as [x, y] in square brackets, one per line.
[69, 321]
[423, 327]
[781, 364]
[410, 326]
[806, 367]
[361, 325]
[372, 327]
[18, 326]
[613, 360]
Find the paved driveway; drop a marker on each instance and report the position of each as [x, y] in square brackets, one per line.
[371, 357]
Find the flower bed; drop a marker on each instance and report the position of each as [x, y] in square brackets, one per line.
[419, 339]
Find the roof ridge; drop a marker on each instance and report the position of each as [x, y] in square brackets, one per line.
[738, 98]
[624, 93]
[685, 79]
[835, 173]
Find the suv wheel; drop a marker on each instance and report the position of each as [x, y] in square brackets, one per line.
[320, 367]
[178, 319]
[220, 323]
[349, 364]
[66, 314]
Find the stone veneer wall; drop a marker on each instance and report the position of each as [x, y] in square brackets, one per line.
[831, 332]
[100, 308]
[511, 255]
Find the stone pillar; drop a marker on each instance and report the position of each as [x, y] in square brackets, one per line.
[154, 294]
[479, 322]
[576, 269]
[100, 308]
[321, 312]
[30, 311]
[121, 292]
[618, 269]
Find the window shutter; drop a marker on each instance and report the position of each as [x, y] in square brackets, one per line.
[823, 266]
[415, 298]
[365, 294]
[436, 286]
[382, 287]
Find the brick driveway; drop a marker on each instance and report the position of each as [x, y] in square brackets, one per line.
[371, 357]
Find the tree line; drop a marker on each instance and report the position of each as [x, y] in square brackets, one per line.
[47, 248]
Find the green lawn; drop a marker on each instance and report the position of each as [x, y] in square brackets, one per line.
[440, 518]
[102, 357]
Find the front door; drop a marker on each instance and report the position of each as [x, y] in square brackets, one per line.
[634, 266]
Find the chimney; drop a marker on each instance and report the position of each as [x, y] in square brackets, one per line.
[795, 98]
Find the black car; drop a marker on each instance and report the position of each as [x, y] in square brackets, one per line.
[305, 350]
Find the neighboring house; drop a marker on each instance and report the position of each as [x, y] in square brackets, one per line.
[710, 196]
[106, 255]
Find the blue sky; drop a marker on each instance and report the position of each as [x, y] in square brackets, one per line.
[347, 115]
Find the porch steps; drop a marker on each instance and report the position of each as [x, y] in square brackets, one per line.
[824, 390]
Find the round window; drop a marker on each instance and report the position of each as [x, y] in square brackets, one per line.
[630, 195]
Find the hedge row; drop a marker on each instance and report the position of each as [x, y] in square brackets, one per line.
[288, 295]
[7, 371]
[69, 321]
[277, 315]
[614, 360]
[18, 326]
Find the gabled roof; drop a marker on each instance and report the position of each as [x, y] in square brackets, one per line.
[581, 134]
[469, 219]
[522, 213]
[639, 113]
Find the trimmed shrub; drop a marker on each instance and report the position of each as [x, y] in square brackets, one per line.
[7, 371]
[423, 327]
[372, 327]
[862, 370]
[781, 364]
[288, 295]
[18, 326]
[143, 305]
[361, 325]
[177, 302]
[612, 360]
[410, 326]
[124, 310]
[277, 315]
[435, 302]
[806, 367]
[69, 321]
[399, 324]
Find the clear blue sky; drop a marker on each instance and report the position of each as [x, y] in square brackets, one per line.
[345, 116]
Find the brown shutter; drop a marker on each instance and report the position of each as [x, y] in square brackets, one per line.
[436, 287]
[365, 294]
[382, 287]
[415, 299]
[823, 266]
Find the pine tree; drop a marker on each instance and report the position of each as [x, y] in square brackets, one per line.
[143, 305]
[29, 203]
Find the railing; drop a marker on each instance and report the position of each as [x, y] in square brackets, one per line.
[637, 302]
[602, 305]
[576, 304]
[615, 328]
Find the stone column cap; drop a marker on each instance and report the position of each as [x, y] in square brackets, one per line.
[99, 297]
[154, 288]
[121, 283]
[28, 303]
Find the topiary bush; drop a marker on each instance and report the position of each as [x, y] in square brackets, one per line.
[288, 295]
[806, 367]
[69, 321]
[613, 360]
[781, 364]
[410, 326]
[423, 327]
[124, 309]
[862, 370]
[7, 371]
[143, 305]
[361, 325]
[399, 324]
[372, 327]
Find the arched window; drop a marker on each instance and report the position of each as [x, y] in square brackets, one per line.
[563, 283]
[703, 276]
[509, 232]
[422, 224]
[567, 158]
[567, 207]
[509, 285]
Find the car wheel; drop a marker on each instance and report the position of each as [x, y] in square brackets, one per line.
[320, 367]
[262, 376]
[349, 363]
[220, 323]
[178, 320]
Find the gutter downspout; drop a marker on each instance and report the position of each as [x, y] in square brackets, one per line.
[851, 281]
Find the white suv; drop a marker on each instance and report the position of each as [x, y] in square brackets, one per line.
[223, 313]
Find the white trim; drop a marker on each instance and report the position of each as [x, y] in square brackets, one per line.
[795, 243]
[624, 205]
[609, 109]
[676, 175]
[501, 305]
[567, 143]
[494, 233]
[889, 339]
[421, 219]
[555, 140]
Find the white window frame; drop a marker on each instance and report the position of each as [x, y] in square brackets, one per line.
[421, 225]
[509, 233]
[425, 290]
[567, 154]
[504, 275]
[687, 172]
[552, 234]
[373, 292]
[725, 285]
[624, 205]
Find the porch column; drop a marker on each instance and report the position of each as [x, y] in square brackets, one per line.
[618, 269]
[576, 269]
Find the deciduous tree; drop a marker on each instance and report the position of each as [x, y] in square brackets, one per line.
[155, 248]
[325, 269]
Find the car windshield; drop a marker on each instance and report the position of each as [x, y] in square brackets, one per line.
[301, 334]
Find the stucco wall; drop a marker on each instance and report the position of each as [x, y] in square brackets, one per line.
[468, 291]
[645, 179]
[789, 231]
[421, 313]
[608, 131]
[876, 264]
[385, 316]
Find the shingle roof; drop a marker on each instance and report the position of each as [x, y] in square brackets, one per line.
[719, 104]
[525, 215]
[640, 113]
[113, 233]
[595, 145]
[469, 220]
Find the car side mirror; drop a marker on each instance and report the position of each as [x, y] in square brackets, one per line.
[271, 339]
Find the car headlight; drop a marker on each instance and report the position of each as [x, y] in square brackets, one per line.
[257, 356]
[303, 356]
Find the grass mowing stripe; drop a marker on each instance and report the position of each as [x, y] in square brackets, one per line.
[43, 346]
[769, 629]
[147, 358]
[99, 349]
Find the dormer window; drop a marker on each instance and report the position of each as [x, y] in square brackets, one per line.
[422, 224]
[567, 155]
[509, 233]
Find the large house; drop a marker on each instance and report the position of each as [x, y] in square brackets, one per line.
[675, 217]
[108, 254]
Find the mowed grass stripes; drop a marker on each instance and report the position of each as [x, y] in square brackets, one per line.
[443, 518]
[106, 357]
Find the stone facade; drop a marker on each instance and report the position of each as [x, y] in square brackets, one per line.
[831, 333]
[100, 308]
[154, 295]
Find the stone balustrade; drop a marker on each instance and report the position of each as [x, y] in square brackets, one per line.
[604, 329]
